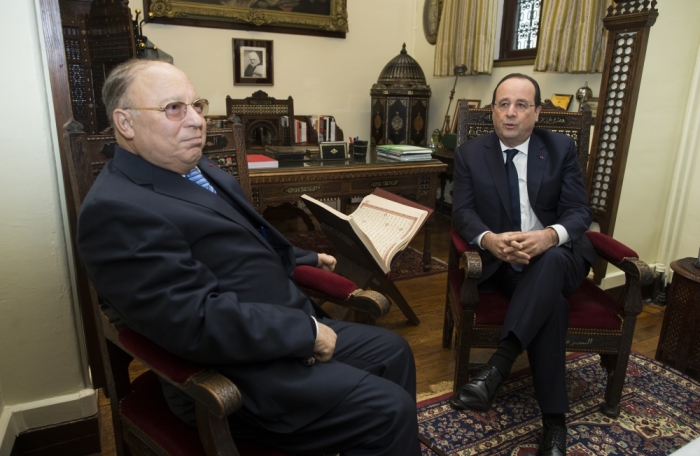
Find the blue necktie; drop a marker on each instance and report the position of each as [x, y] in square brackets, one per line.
[196, 176]
[512, 175]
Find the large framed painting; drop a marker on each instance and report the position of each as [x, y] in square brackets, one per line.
[301, 17]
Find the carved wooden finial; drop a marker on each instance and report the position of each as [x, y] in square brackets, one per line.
[73, 126]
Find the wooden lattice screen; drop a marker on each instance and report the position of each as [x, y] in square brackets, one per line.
[628, 23]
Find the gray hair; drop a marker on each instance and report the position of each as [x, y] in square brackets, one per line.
[117, 84]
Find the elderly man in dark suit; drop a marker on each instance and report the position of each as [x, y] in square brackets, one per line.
[519, 196]
[171, 244]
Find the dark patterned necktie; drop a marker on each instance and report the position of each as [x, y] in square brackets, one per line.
[512, 175]
[196, 176]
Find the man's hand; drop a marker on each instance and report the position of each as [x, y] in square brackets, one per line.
[325, 343]
[533, 243]
[326, 262]
[503, 247]
[519, 246]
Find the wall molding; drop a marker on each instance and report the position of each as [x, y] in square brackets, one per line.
[15, 419]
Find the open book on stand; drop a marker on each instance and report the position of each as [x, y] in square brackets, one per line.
[372, 236]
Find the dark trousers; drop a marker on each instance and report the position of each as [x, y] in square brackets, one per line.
[538, 316]
[378, 417]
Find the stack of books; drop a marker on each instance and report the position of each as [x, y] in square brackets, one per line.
[404, 152]
[257, 161]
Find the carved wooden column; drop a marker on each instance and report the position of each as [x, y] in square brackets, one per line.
[628, 23]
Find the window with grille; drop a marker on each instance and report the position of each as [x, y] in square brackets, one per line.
[521, 20]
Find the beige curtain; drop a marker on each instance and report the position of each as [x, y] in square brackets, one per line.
[572, 36]
[466, 36]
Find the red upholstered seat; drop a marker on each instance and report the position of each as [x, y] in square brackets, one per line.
[145, 409]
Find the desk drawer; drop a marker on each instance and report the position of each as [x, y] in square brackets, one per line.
[386, 182]
[313, 188]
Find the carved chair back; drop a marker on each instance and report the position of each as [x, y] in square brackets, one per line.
[262, 115]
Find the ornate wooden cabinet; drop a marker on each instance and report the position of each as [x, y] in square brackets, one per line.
[400, 102]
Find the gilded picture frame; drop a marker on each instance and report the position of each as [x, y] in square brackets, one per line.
[305, 17]
[562, 100]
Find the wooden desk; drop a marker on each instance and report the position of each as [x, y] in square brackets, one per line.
[327, 179]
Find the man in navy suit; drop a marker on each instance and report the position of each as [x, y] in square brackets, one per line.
[519, 196]
[171, 244]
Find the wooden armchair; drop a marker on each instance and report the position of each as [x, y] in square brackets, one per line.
[598, 323]
[143, 423]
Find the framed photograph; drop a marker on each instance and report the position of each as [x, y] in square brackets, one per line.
[302, 17]
[334, 150]
[252, 62]
[563, 101]
[591, 104]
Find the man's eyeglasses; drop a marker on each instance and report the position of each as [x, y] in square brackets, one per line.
[178, 109]
[520, 106]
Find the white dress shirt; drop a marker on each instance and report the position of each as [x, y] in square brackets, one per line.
[528, 219]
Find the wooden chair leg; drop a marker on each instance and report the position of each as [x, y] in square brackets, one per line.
[462, 354]
[616, 381]
[447, 325]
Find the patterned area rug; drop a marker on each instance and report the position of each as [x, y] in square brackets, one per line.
[409, 263]
[660, 412]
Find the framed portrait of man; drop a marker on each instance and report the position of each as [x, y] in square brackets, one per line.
[252, 62]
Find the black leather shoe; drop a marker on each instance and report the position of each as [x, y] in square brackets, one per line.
[479, 392]
[553, 440]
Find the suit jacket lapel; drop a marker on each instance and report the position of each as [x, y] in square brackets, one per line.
[536, 161]
[169, 183]
[494, 160]
[225, 182]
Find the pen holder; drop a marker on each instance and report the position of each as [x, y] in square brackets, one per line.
[359, 151]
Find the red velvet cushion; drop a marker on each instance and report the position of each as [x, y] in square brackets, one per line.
[611, 248]
[589, 307]
[146, 409]
[172, 366]
[460, 244]
[316, 279]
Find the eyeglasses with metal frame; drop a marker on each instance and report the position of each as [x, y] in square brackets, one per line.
[520, 106]
[178, 109]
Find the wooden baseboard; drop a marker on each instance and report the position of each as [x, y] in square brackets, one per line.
[74, 438]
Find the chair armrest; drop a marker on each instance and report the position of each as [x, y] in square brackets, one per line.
[637, 272]
[621, 256]
[340, 290]
[332, 285]
[217, 394]
[470, 255]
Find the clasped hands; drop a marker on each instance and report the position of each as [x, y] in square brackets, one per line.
[519, 247]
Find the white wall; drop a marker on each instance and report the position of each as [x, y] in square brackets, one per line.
[664, 97]
[40, 358]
